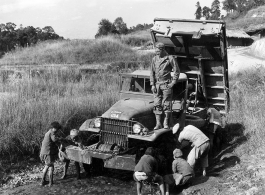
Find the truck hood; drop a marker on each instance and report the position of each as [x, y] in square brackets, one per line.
[127, 109]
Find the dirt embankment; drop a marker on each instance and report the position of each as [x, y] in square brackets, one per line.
[239, 60]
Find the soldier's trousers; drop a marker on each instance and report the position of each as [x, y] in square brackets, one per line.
[162, 98]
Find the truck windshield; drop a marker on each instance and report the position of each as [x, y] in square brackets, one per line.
[141, 85]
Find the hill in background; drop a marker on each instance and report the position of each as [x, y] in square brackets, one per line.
[252, 20]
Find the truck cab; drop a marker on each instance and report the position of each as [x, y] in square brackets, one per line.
[126, 128]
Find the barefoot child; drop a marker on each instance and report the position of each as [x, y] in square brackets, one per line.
[49, 151]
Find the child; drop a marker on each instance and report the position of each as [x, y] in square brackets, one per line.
[182, 171]
[48, 153]
[73, 139]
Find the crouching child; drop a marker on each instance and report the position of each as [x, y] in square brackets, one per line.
[73, 139]
[146, 171]
[182, 171]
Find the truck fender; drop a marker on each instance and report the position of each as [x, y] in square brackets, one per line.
[195, 121]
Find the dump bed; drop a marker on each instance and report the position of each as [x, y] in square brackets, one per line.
[200, 48]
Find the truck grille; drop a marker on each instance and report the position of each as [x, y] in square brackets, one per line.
[114, 131]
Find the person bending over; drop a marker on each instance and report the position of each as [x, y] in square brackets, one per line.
[200, 145]
[146, 170]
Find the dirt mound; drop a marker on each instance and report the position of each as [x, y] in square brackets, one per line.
[257, 48]
[241, 59]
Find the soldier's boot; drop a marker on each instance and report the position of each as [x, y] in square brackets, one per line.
[158, 122]
[166, 120]
[45, 170]
[51, 176]
[77, 167]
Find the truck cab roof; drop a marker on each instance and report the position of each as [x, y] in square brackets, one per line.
[146, 74]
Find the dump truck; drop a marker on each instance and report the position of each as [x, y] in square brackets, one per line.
[126, 128]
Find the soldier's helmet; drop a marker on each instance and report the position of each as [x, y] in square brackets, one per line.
[177, 153]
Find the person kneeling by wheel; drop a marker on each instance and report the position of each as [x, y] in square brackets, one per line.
[73, 139]
[146, 171]
[182, 171]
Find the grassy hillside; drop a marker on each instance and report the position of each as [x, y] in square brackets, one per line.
[236, 21]
[108, 49]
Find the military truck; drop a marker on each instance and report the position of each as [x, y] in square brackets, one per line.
[125, 129]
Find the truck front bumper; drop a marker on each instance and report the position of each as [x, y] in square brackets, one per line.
[123, 162]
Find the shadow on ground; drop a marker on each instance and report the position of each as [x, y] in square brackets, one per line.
[231, 137]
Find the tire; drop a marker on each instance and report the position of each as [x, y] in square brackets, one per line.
[195, 121]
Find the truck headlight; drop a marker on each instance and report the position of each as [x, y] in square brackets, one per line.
[136, 128]
[97, 122]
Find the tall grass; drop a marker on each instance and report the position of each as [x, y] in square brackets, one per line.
[248, 109]
[60, 95]
[137, 39]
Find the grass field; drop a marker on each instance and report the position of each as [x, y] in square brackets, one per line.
[60, 95]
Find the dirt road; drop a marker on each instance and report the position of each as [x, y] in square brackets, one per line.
[240, 60]
[110, 182]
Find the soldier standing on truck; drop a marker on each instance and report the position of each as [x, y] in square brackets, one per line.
[162, 83]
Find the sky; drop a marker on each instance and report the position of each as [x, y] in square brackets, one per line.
[78, 19]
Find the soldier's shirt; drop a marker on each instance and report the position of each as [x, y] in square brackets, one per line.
[161, 69]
